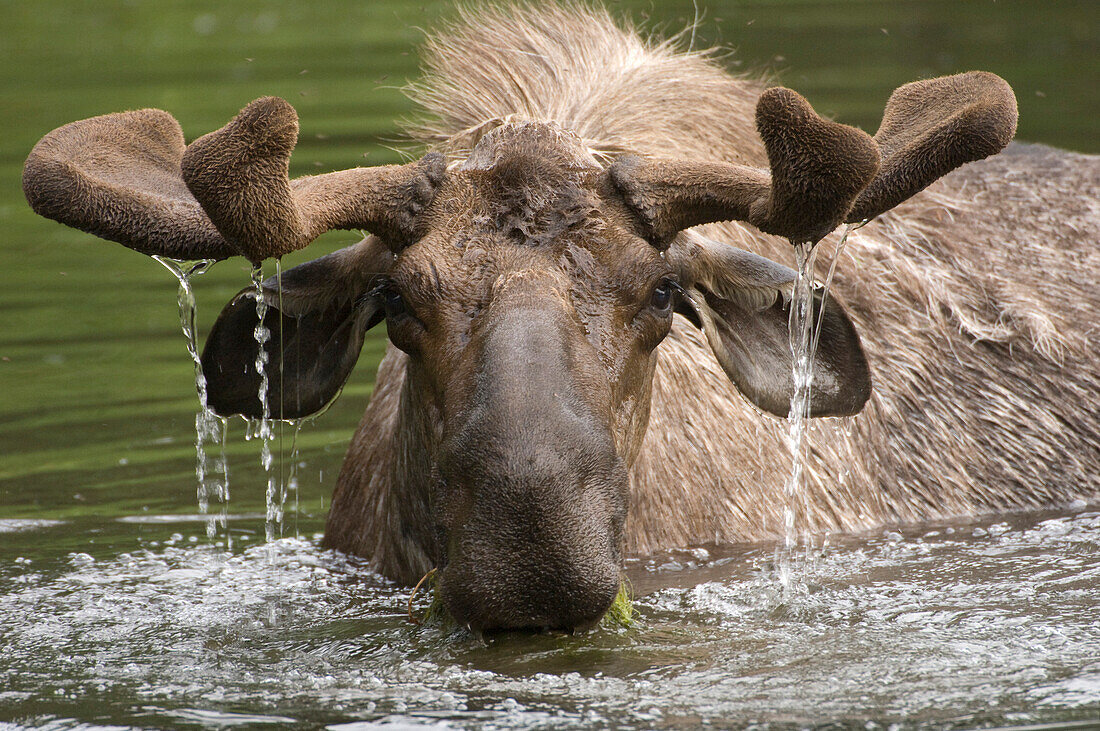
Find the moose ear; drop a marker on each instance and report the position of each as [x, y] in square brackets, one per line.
[743, 302]
[316, 326]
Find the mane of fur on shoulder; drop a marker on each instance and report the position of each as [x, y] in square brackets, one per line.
[573, 64]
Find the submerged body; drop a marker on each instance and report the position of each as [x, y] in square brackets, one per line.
[976, 301]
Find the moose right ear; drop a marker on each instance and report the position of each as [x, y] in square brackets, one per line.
[316, 327]
[743, 303]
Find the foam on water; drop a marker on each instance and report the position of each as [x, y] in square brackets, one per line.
[952, 626]
[13, 525]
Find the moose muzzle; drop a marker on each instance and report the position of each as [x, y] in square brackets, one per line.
[532, 493]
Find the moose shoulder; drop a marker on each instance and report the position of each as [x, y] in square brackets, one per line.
[581, 341]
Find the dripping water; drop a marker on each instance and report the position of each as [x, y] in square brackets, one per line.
[288, 483]
[280, 482]
[292, 478]
[212, 478]
[805, 334]
[263, 428]
[799, 327]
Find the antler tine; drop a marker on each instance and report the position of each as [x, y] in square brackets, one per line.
[239, 174]
[818, 168]
[931, 127]
[117, 176]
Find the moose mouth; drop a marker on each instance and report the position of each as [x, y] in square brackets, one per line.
[620, 614]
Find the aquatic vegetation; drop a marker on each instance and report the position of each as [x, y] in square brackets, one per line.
[621, 613]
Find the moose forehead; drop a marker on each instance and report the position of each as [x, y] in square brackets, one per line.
[529, 197]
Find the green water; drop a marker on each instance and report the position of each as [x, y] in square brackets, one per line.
[97, 396]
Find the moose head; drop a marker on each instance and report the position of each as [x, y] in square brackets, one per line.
[529, 286]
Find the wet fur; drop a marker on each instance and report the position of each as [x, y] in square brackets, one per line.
[977, 302]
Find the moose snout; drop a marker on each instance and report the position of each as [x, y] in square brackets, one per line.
[518, 596]
[508, 580]
[533, 528]
[531, 496]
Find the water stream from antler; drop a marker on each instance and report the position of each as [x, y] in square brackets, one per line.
[292, 479]
[288, 481]
[804, 325]
[263, 428]
[212, 478]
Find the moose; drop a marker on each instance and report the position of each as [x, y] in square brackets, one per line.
[589, 332]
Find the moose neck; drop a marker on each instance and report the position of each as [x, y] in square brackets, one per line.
[417, 432]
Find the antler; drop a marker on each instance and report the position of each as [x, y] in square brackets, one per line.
[817, 170]
[128, 177]
[239, 175]
[117, 176]
[931, 127]
[823, 173]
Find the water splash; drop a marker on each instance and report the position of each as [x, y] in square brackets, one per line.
[211, 477]
[935, 622]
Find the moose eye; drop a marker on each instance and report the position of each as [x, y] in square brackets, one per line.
[393, 302]
[385, 292]
[662, 295]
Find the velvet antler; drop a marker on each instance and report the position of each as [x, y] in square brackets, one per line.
[128, 177]
[817, 170]
[118, 177]
[931, 127]
[239, 175]
[824, 173]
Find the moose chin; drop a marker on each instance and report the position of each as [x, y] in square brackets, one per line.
[589, 337]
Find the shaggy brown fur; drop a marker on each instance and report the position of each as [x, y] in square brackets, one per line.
[977, 303]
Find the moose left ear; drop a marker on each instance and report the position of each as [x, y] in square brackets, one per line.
[316, 327]
[743, 303]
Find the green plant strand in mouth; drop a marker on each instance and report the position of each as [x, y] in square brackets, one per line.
[621, 613]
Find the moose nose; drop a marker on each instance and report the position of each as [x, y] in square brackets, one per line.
[519, 595]
[533, 532]
[532, 522]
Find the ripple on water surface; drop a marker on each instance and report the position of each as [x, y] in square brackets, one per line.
[14, 525]
[951, 626]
